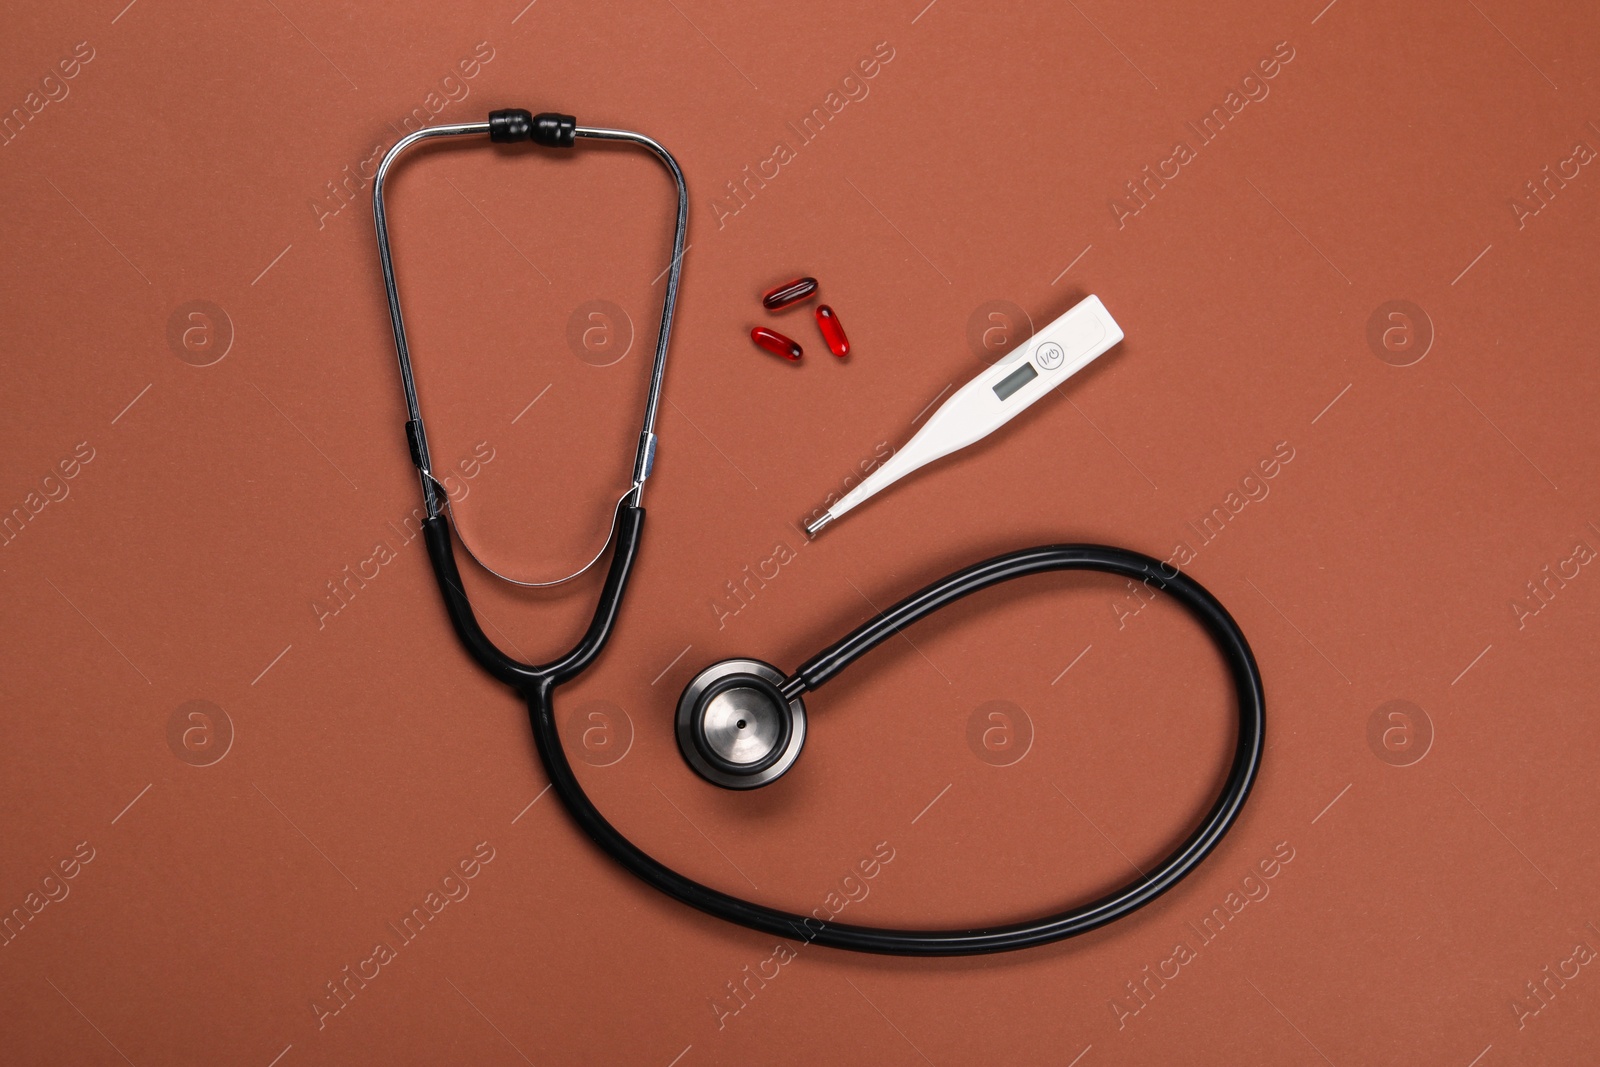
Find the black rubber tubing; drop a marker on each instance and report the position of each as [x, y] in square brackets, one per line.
[538, 685]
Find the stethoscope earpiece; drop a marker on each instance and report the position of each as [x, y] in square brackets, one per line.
[736, 729]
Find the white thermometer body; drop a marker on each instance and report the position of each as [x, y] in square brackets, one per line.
[993, 398]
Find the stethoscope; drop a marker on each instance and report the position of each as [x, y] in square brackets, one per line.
[741, 723]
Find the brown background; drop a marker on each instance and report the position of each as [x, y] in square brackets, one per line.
[368, 755]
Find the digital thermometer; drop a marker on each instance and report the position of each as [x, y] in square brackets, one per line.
[993, 398]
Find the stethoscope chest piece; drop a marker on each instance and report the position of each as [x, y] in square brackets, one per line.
[735, 727]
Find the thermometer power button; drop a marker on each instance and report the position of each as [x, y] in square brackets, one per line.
[1049, 356]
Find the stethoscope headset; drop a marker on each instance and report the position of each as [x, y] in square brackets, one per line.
[741, 723]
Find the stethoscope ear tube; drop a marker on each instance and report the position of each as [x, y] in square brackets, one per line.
[526, 677]
[1189, 594]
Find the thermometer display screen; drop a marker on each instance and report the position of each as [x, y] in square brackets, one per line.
[1015, 380]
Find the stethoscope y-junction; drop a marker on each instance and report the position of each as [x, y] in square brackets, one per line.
[741, 723]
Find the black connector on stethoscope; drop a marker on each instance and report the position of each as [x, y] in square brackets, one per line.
[548, 128]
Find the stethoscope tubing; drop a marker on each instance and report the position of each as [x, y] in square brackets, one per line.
[539, 685]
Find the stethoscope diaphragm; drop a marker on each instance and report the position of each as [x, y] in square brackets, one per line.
[736, 729]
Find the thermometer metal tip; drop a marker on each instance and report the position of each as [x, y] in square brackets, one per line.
[993, 398]
[815, 526]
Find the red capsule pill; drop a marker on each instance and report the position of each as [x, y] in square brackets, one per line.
[832, 332]
[788, 293]
[776, 343]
